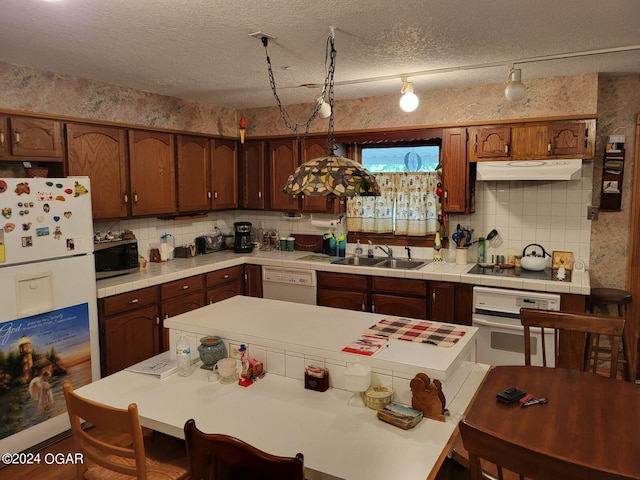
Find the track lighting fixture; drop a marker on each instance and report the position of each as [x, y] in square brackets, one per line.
[409, 101]
[515, 90]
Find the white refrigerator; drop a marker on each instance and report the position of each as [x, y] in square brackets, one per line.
[48, 312]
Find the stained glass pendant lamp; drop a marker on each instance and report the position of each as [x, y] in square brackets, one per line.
[329, 175]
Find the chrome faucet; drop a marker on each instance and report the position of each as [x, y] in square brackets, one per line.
[388, 251]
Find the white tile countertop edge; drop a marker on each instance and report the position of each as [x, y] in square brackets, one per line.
[159, 273]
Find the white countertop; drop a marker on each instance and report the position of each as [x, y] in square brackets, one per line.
[278, 415]
[158, 273]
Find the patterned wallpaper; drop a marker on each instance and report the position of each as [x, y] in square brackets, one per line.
[38, 91]
[618, 106]
[616, 100]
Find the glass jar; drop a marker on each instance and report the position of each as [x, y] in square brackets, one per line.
[211, 349]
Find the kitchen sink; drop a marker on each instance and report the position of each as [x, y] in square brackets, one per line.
[362, 261]
[401, 264]
[393, 263]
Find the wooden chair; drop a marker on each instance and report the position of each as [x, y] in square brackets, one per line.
[115, 447]
[222, 457]
[579, 326]
[527, 464]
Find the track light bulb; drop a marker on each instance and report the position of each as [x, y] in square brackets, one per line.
[409, 101]
[515, 90]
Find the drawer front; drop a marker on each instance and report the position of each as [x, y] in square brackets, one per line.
[403, 286]
[231, 274]
[130, 301]
[182, 287]
[342, 281]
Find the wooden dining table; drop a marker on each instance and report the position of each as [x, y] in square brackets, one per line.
[589, 420]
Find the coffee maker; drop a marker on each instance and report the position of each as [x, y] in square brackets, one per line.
[242, 242]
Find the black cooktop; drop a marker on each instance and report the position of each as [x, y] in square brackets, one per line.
[546, 274]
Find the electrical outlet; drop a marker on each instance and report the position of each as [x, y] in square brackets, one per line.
[234, 350]
[592, 212]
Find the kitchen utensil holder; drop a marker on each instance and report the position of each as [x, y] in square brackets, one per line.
[461, 255]
[315, 383]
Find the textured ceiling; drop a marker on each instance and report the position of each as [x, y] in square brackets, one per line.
[201, 49]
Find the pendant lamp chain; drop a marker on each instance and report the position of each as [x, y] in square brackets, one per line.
[330, 56]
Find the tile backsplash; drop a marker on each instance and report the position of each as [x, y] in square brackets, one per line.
[552, 214]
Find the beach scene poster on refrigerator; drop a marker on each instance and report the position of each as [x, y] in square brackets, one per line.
[37, 355]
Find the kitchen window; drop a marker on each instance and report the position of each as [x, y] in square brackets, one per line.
[408, 178]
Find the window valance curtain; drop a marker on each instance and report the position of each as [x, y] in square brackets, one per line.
[407, 205]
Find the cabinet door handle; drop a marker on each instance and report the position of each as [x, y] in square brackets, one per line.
[157, 320]
[226, 276]
[126, 198]
[259, 194]
[166, 315]
[373, 307]
[185, 287]
[133, 301]
[215, 195]
[16, 137]
[1, 138]
[209, 194]
[506, 148]
[549, 147]
[433, 295]
[135, 197]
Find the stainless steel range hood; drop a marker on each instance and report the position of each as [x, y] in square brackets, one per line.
[556, 169]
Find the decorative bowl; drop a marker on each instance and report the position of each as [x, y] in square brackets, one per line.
[378, 397]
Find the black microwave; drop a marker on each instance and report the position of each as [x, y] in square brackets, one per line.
[115, 258]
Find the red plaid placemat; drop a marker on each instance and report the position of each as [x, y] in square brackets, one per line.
[421, 331]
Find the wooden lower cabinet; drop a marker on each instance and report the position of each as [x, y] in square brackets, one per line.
[401, 297]
[343, 290]
[129, 326]
[253, 281]
[223, 284]
[179, 296]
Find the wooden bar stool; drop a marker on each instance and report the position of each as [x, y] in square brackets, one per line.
[600, 299]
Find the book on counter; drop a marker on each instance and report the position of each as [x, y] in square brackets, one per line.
[367, 345]
[160, 366]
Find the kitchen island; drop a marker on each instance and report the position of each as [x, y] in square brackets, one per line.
[279, 415]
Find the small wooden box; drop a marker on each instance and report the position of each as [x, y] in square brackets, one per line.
[315, 383]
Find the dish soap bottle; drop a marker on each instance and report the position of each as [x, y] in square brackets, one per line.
[370, 250]
[183, 356]
[437, 249]
[358, 250]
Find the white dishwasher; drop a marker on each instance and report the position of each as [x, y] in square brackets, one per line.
[289, 284]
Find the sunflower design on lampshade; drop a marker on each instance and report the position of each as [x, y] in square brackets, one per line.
[331, 175]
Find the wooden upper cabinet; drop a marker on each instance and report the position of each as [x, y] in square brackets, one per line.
[24, 138]
[489, 142]
[529, 141]
[224, 174]
[101, 154]
[193, 173]
[533, 141]
[314, 148]
[152, 172]
[570, 138]
[252, 168]
[457, 182]
[283, 160]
